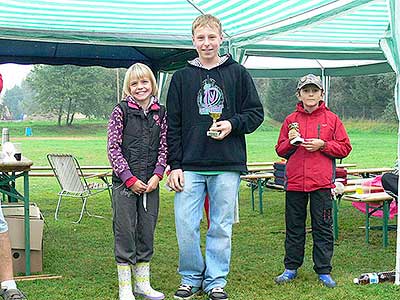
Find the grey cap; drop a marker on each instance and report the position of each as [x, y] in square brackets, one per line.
[310, 79]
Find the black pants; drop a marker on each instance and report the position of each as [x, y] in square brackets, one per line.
[133, 226]
[390, 184]
[322, 232]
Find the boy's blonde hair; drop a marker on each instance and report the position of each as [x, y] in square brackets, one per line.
[138, 71]
[207, 20]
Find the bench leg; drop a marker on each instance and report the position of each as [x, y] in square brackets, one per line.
[260, 195]
[385, 222]
[253, 188]
[367, 223]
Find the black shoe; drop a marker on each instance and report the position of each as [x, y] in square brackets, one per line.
[12, 294]
[218, 293]
[186, 292]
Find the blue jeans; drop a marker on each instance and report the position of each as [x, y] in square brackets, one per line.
[3, 223]
[222, 190]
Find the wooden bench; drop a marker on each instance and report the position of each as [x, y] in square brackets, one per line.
[381, 198]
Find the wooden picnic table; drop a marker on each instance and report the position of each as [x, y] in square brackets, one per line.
[10, 171]
[271, 163]
[260, 169]
[48, 168]
[366, 172]
[257, 181]
[265, 163]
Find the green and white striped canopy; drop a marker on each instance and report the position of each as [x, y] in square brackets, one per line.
[118, 32]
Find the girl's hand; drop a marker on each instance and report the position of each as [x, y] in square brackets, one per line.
[139, 187]
[152, 184]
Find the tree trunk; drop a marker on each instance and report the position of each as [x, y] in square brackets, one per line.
[59, 115]
[68, 122]
[71, 119]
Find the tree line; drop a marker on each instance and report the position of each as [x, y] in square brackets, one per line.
[64, 91]
[357, 97]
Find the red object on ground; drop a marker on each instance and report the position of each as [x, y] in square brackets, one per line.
[207, 209]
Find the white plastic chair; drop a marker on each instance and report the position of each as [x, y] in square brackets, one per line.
[73, 183]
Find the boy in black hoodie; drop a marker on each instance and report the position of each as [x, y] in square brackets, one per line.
[208, 157]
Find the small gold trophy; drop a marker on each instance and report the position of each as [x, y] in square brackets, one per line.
[298, 139]
[215, 116]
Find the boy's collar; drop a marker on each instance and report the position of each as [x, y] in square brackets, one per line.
[197, 63]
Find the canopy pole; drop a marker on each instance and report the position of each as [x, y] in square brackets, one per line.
[118, 94]
[326, 83]
[161, 80]
[390, 45]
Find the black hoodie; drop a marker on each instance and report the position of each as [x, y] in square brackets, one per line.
[189, 147]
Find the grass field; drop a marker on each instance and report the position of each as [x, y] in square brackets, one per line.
[83, 254]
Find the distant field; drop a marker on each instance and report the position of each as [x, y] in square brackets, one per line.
[374, 144]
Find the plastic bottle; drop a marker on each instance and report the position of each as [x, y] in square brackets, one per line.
[371, 278]
[5, 136]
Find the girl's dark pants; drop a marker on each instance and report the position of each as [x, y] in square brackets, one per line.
[133, 226]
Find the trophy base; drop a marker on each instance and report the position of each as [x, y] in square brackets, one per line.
[297, 140]
[211, 133]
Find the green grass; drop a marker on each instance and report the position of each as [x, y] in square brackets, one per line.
[83, 254]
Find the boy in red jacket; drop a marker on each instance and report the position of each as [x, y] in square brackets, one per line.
[311, 138]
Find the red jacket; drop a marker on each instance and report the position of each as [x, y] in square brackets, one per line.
[310, 171]
[1, 83]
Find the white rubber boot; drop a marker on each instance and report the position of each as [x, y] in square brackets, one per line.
[125, 282]
[142, 282]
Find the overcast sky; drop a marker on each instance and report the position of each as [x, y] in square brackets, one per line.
[13, 74]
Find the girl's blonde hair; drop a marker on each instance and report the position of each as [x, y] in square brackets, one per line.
[138, 71]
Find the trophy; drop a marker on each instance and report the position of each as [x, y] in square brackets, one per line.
[210, 100]
[215, 116]
[298, 139]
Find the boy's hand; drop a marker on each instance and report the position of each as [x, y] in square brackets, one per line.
[313, 145]
[152, 184]
[224, 127]
[139, 187]
[176, 180]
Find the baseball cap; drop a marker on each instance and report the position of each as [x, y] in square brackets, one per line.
[310, 79]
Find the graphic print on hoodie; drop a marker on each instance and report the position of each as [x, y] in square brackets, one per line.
[210, 97]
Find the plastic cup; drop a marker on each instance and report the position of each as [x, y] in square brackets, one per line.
[359, 189]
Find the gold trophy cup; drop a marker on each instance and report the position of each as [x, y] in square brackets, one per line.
[215, 116]
[298, 139]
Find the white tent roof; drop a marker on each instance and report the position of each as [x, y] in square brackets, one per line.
[119, 32]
